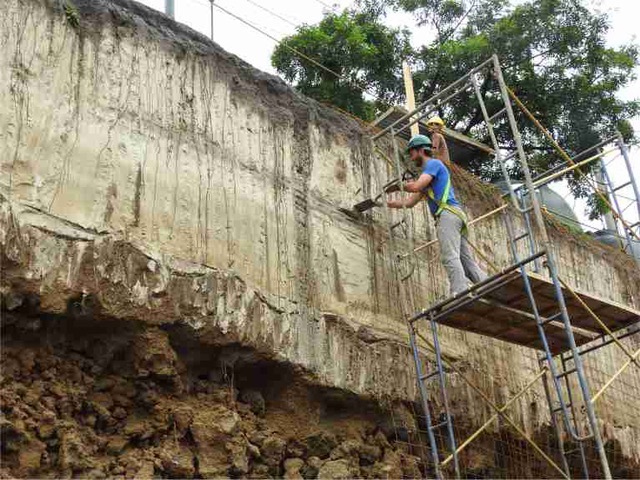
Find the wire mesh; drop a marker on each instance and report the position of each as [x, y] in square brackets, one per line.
[500, 451]
[531, 441]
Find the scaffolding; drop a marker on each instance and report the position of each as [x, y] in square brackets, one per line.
[525, 303]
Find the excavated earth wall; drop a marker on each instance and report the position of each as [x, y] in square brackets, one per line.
[169, 219]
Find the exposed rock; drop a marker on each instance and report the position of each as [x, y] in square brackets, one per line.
[380, 440]
[74, 453]
[176, 460]
[30, 455]
[257, 437]
[146, 470]
[255, 400]
[212, 429]
[46, 429]
[238, 458]
[292, 468]
[13, 436]
[182, 417]
[153, 356]
[273, 449]
[295, 448]
[348, 449]
[136, 427]
[311, 468]
[99, 474]
[390, 467]
[253, 451]
[27, 359]
[335, 469]
[369, 454]
[116, 444]
[210, 425]
[320, 444]
[411, 466]
[260, 470]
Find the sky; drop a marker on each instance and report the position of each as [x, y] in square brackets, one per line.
[256, 49]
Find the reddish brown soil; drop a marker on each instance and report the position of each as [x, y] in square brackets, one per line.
[114, 400]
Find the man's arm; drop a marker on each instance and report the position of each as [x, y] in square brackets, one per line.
[419, 185]
[408, 202]
[436, 140]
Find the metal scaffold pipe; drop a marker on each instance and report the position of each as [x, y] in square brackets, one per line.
[169, 8]
[552, 269]
[438, 96]
[521, 154]
[574, 159]
[555, 176]
[634, 184]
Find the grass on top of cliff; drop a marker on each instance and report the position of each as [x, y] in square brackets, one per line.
[71, 13]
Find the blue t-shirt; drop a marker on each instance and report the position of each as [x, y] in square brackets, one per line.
[441, 175]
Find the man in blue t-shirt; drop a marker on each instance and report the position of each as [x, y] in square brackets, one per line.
[435, 184]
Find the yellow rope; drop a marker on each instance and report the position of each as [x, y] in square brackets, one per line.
[633, 358]
[472, 437]
[502, 414]
[598, 320]
[569, 160]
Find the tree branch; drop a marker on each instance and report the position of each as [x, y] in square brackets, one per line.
[453, 30]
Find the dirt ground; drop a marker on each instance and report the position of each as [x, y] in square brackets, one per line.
[110, 399]
[88, 398]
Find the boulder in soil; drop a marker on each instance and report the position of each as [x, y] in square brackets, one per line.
[335, 470]
[292, 467]
[320, 444]
[176, 460]
[255, 400]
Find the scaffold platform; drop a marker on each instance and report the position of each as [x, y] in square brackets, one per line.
[499, 308]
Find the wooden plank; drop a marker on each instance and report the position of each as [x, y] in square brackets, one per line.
[505, 324]
[505, 314]
[616, 316]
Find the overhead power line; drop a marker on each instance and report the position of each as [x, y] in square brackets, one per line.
[324, 4]
[296, 51]
[272, 13]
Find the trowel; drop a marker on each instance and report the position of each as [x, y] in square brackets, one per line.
[390, 187]
[369, 203]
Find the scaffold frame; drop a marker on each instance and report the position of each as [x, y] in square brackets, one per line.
[556, 366]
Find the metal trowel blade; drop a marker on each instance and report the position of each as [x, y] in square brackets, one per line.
[365, 205]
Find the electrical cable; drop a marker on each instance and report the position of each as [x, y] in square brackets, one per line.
[324, 4]
[295, 51]
[272, 13]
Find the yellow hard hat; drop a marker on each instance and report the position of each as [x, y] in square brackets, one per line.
[435, 121]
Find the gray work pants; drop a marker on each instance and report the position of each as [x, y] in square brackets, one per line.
[455, 253]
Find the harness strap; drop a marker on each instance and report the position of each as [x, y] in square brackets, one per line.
[444, 205]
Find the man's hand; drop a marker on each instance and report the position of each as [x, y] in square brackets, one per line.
[409, 201]
[410, 186]
[394, 203]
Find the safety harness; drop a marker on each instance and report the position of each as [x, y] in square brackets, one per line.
[444, 205]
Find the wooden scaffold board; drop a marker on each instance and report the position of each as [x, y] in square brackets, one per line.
[506, 314]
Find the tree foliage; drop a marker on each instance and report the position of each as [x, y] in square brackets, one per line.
[555, 58]
[553, 52]
[366, 54]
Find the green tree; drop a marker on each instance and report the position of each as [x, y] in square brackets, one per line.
[554, 56]
[553, 52]
[365, 54]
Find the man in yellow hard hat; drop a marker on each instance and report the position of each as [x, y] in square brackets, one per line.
[435, 125]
